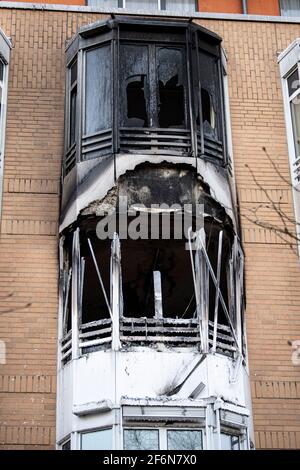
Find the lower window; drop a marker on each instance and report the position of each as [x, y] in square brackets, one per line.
[162, 439]
[230, 442]
[97, 440]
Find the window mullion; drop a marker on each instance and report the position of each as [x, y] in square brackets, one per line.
[163, 444]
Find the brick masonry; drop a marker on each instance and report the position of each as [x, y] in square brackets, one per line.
[28, 243]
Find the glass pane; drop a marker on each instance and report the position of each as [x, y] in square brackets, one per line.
[170, 75]
[210, 95]
[142, 4]
[295, 109]
[73, 102]
[98, 90]
[66, 445]
[230, 442]
[293, 82]
[290, 7]
[134, 100]
[106, 3]
[97, 440]
[1, 70]
[184, 440]
[141, 439]
[185, 6]
[74, 73]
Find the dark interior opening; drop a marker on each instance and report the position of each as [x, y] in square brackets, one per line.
[171, 109]
[207, 108]
[93, 301]
[67, 280]
[212, 242]
[139, 259]
[136, 101]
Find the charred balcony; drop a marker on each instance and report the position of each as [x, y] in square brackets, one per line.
[147, 87]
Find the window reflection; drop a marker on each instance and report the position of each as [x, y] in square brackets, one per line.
[184, 440]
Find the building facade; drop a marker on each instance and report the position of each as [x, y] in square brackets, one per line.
[123, 342]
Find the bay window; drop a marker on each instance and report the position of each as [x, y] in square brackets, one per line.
[289, 62]
[144, 87]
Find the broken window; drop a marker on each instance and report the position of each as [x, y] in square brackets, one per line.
[67, 285]
[135, 83]
[154, 95]
[98, 90]
[210, 95]
[171, 111]
[171, 260]
[94, 304]
[208, 112]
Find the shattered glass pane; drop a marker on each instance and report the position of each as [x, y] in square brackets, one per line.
[210, 95]
[134, 83]
[98, 99]
[184, 440]
[141, 439]
[171, 106]
[208, 112]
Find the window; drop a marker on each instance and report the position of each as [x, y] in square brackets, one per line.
[153, 86]
[162, 439]
[73, 103]
[144, 91]
[98, 99]
[184, 6]
[141, 439]
[290, 7]
[97, 440]
[184, 440]
[66, 445]
[230, 442]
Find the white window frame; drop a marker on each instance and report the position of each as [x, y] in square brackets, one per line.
[5, 47]
[163, 433]
[289, 61]
[160, 5]
[92, 430]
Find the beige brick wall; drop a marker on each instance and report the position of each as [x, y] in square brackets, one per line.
[28, 243]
